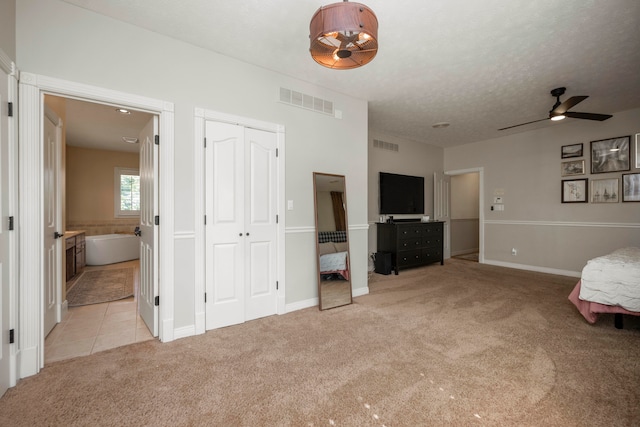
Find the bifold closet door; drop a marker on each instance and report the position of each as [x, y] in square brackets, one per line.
[241, 224]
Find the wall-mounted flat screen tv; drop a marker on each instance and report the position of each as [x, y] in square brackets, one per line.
[401, 194]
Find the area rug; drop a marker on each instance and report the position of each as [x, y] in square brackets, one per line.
[99, 286]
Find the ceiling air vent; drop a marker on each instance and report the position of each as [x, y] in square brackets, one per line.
[383, 145]
[305, 101]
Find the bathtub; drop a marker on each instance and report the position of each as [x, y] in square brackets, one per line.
[112, 248]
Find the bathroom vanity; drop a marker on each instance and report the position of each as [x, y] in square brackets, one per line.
[75, 254]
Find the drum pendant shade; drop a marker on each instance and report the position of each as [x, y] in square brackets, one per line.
[343, 35]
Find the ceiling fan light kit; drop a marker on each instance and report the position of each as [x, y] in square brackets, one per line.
[343, 35]
[560, 109]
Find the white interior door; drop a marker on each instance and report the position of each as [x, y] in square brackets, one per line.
[5, 256]
[260, 219]
[442, 206]
[52, 221]
[225, 228]
[241, 230]
[149, 231]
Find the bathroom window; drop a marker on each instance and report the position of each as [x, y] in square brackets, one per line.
[127, 192]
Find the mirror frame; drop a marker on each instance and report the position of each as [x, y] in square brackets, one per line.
[317, 237]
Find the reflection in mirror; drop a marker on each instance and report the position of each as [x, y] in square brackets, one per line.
[332, 240]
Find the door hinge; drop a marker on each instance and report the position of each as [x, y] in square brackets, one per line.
[10, 223]
[276, 152]
[277, 285]
[276, 219]
[205, 297]
[157, 301]
[157, 139]
[10, 109]
[205, 220]
[12, 338]
[157, 220]
[205, 143]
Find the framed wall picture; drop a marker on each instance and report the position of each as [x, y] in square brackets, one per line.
[572, 167]
[610, 155]
[605, 190]
[574, 150]
[631, 187]
[638, 151]
[575, 190]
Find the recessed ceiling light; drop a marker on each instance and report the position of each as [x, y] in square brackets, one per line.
[440, 125]
[130, 140]
[123, 111]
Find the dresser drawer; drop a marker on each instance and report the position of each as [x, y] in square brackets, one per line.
[406, 231]
[408, 244]
[406, 258]
[432, 254]
[432, 241]
[434, 229]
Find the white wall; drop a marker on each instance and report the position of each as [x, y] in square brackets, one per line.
[525, 167]
[412, 158]
[7, 28]
[63, 41]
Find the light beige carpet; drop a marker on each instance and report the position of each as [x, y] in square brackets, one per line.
[98, 286]
[464, 344]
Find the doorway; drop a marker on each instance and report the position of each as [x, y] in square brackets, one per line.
[99, 143]
[467, 214]
[32, 89]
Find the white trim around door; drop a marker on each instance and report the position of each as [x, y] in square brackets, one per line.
[32, 87]
[480, 172]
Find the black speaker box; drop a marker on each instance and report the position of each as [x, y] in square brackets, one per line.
[382, 262]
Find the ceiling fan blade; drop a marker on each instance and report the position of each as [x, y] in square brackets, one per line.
[562, 108]
[588, 116]
[522, 124]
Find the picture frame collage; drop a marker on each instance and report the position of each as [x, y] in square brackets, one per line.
[607, 156]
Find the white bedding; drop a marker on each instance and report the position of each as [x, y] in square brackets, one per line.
[333, 262]
[613, 279]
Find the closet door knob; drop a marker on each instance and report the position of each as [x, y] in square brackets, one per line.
[240, 234]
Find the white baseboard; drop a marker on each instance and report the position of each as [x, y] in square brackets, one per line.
[300, 305]
[185, 331]
[465, 251]
[534, 268]
[358, 292]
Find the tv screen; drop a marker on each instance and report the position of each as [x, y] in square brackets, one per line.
[401, 194]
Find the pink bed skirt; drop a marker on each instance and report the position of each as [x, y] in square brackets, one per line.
[590, 310]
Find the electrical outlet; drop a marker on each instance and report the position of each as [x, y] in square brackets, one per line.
[514, 251]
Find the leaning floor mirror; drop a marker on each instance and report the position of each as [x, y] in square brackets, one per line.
[332, 240]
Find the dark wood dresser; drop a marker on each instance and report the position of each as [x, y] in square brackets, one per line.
[412, 244]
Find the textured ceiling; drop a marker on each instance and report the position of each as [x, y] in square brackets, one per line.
[99, 126]
[480, 65]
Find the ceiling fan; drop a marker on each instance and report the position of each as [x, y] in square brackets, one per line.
[560, 109]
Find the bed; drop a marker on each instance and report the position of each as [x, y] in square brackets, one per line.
[609, 284]
[334, 255]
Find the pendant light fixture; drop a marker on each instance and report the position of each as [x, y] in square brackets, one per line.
[343, 35]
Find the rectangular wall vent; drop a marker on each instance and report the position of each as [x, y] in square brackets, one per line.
[383, 145]
[305, 101]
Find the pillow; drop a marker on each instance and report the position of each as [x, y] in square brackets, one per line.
[341, 246]
[326, 248]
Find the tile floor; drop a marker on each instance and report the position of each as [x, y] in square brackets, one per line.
[92, 328]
